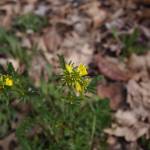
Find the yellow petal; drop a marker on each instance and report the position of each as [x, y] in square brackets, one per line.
[78, 87]
[69, 68]
[8, 82]
[82, 70]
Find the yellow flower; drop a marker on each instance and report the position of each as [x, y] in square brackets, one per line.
[76, 78]
[8, 82]
[69, 68]
[78, 87]
[82, 70]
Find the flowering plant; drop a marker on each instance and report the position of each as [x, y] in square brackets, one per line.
[62, 113]
[76, 78]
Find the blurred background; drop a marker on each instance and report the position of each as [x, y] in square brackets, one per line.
[112, 37]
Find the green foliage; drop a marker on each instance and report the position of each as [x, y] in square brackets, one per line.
[54, 123]
[6, 116]
[8, 41]
[21, 91]
[68, 127]
[10, 45]
[145, 143]
[61, 61]
[22, 88]
[30, 21]
[92, 86]
[130, 43]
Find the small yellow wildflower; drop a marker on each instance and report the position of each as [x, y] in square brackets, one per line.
[76, 78]
[8, 82]
[78, 87]
[82, 70]
[69, 68]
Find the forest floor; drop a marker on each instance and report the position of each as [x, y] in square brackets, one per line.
[112, 37]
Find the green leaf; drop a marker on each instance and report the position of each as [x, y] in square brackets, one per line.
[30, 21]
[10, 69]
[92, 86]
[62, 61]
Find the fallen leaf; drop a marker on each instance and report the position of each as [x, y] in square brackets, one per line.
[111, 70]
[115, 93]
[97, 14]
[130, 133]
[6, 20]
[145, 14]
[146, 2]
[139, 96]
[127, 118]
[5, 143]
[10, 10]
[135, 121]
[52, 39]
[139, 63]
[77, 49]
[136, 63]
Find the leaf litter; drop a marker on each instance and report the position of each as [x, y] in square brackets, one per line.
[86, 30]
[134, 122]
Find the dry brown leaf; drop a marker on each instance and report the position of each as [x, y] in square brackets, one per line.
[139, 63]
[10, 10]
[6, 20]
[52, 39]
[97, 14]
[110, 69]
[26, 43]
[130, 133]
[136, 63]
[139, 96]
[6, 142]
[145, 14]
[147, 59]
[138, 89]
[28, 9]
[128, 125]
[115, 93]
[31, 1]
[42, 10]
[77, 49]
[127, 118]
[83, 56]
[36, 71]
[135, 121]
[147, 2]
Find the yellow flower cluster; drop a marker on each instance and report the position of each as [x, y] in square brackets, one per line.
[69, 68]
[76, 77]
[6, 80]
[82, 70]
